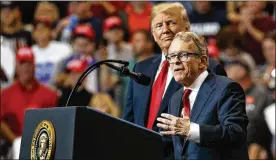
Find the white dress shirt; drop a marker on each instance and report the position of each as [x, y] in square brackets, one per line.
[194, 128]
[169, 77]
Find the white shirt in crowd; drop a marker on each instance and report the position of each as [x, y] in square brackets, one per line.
[8, 61]
[269, 114]
[122, 53]
[49, 60]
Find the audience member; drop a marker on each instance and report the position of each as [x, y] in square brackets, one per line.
[66, 25]
[233, 8]
[72, 8]
[138, 16]
[49, 53]
[7, 62]
[103, 9]
[84, 16]
[256, 101]
[142, 44]
[26, 92]
[74, 68]
[11, 27]
[104, 71]
[269, 51]
[254, 23]
[104, 102]
[269, 113]
[84, 46]
[207, 20]
[118, 49]
[46, 10]
[230, 45]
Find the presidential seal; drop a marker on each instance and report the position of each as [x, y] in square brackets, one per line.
[43, 141]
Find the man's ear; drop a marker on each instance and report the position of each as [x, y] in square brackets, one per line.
[203, 61]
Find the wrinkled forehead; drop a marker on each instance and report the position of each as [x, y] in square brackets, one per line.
[166, 15]
[179, 45]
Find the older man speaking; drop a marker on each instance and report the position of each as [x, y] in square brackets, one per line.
[146, 103]
[213, 121]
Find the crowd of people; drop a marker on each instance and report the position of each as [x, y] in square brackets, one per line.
[42, 60]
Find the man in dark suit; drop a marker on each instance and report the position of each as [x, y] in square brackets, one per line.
[146, 103]
[139, 97]
[206, 117]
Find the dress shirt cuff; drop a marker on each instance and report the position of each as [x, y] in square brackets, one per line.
[194, 133]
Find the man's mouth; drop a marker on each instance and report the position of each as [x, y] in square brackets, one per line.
[178, 69]
[168, 38]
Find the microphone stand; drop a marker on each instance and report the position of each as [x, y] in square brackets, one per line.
[89, 70]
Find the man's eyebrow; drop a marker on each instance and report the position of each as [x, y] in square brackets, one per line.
[170, 19]
[158, 23]
[171, 53]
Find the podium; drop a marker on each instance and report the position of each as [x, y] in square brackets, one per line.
[85, 133]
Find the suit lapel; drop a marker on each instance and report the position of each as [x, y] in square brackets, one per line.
[176, 104]
[203, 95]
[151, 72]
[175, 109]
[172, 88]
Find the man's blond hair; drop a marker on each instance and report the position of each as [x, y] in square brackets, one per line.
[174, 8]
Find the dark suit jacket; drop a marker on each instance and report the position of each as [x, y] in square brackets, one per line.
[219, 109]
[138, 96]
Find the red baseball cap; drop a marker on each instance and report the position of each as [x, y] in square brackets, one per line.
[77, 65]
[84, 30]
[25, 54]
[112, 22]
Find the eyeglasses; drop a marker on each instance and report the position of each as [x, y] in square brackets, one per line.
[182, 56]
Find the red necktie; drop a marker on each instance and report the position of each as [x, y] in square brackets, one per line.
[186, 102]
[157, 91]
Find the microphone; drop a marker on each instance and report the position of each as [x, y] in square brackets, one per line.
[138, 77]
[90, 69]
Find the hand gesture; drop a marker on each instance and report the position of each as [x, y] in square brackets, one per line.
[174, 125]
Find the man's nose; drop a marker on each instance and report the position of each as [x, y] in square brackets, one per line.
[166, 28]
[177, 61]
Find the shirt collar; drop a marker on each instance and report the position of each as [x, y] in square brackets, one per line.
[198, 82]
[162, 60]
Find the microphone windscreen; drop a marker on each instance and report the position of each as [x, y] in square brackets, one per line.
[143, 79]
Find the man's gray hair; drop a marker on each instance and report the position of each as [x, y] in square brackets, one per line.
[199, 41]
